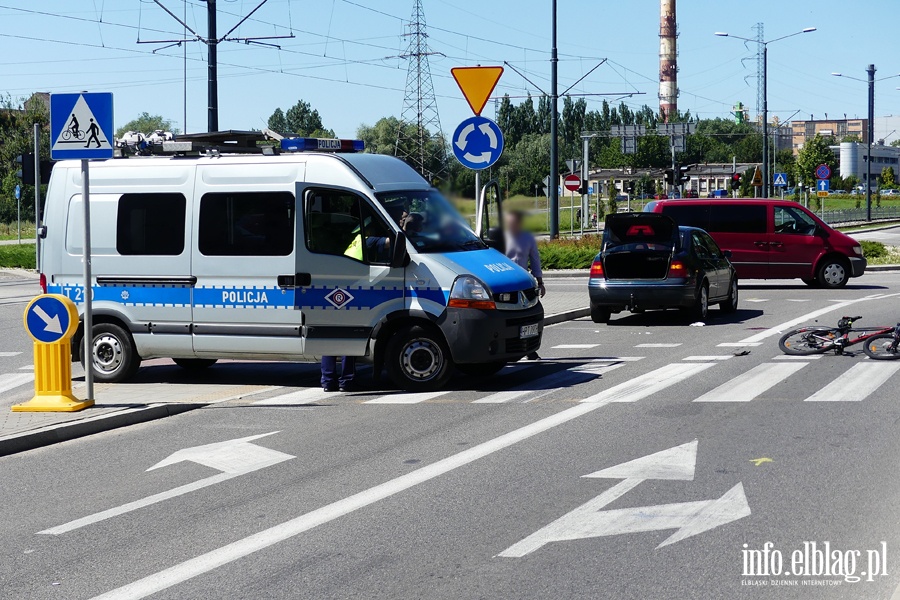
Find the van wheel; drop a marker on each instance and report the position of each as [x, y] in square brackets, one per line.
[114, 356]
[600, 314]
[833, 273]
[731, 305]
[418, 359]
[481, 369]
[194, 364]
[810, 281]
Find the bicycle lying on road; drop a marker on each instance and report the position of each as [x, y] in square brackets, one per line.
[881, 343]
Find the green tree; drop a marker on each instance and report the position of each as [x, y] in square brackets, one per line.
[746, 189]
[277, 122]
[814, 153]
[146, 123]
[612, 193]
[16, 137]
[887, 177]
[301, 120]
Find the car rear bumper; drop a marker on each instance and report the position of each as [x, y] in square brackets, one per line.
[478, 336]
[642, 294]
[858, 266]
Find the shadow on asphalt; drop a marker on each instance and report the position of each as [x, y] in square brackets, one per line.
[671, 318]
[803, 286]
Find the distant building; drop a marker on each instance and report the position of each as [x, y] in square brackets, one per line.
[704, 178]
[852, 158]
[801, 131]
[887, 129]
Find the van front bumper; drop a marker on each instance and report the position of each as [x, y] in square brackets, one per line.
[479, 336]
[858, 266]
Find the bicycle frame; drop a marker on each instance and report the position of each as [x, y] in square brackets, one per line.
[844, 341]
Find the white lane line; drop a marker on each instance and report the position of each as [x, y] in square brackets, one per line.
[214, 559]
[297, 397]
[755, 299]
[739, 345]
[798, 300]
[657, 345]
[792, 357]
[857, 383]
[405, 398]
[575, 346]
[27, 368]
[548, 383]
[10, 381]
[8, 354]
[709, 358]
[648, 383]
[778, 329]
[747, 386]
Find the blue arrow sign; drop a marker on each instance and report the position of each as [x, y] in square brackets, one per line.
[81, 126]
[823, 185]
[477, 143]
[18, 192]
[780, 180]
[47, 319]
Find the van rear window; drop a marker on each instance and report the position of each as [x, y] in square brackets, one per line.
[150, 224]
[737, 218]
[247, 224]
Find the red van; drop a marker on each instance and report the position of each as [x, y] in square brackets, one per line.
[772, 239]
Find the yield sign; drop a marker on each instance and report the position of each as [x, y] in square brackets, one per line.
[687, 518]
[477, 84]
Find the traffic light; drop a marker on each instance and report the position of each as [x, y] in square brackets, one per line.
[670, 176]
[630, 187]
[735, 181]
[683, 176]
[25, 170]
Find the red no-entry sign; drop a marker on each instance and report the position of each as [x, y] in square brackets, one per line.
[572, 183]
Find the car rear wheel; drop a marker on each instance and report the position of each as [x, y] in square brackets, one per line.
[700, 309]
[833, 273]
[600, 314]
[731, 305]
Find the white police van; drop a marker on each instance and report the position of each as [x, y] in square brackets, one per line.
[299, 252]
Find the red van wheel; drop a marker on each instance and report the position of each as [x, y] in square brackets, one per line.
[833, 273]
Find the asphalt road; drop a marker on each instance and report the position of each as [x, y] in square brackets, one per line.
[480, 491]
[889, 237]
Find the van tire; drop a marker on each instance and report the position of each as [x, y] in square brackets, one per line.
[833, 272]
[117, 358]
[481, 369]
[418, 359]
[600, 314]
[810, 281]
[194, 364]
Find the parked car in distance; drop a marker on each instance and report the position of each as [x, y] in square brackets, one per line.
[690, 194]
[890, 192]
[661, 197]
[717, 194]
[772, 239]
[647, 261]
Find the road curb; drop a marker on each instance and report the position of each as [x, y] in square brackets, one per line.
[881, 268]
[569, 315]
[63, 432]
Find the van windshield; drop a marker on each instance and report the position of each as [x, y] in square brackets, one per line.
[430, 222]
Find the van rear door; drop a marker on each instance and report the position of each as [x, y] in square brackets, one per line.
[742, 228]
[243, 303]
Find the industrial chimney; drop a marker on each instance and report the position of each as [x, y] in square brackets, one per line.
[668, 60]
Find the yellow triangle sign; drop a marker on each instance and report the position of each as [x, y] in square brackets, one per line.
[757, 178]
[477, 84]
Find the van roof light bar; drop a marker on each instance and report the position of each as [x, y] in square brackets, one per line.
[321, 145]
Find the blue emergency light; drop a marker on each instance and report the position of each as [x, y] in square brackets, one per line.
[322, 144]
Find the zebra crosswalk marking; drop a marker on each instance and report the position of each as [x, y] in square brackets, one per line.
[857, 383]
[747, 386]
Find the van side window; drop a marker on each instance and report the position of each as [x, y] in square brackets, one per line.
[150, 224]
[246, 224]
[737, 218]
[341, 224]
[794, 221]
[688, 215]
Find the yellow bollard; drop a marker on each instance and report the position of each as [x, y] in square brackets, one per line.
[51, 320]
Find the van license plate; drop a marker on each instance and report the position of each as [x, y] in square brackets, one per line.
[528, 331]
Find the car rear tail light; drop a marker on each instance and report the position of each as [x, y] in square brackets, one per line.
[677, 269]
[597, 270]
[43, 281]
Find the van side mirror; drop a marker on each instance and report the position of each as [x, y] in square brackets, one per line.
[399, 254]
[489, 215]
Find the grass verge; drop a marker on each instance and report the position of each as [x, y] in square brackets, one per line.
[19, 256]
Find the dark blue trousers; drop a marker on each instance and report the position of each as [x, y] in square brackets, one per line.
[329, 371]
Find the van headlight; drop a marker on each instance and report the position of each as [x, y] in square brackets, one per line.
[858, 250]
[470, 292]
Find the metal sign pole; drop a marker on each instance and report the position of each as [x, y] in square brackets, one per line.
[37, 195]
[88, 284]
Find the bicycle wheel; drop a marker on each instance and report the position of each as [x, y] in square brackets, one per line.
[882, 347]
[80, 135]
[66, 134]
[808, 340]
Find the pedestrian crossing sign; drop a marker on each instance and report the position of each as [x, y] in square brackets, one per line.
[81, 126]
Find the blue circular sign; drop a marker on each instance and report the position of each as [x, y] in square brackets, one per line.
[477, 143]
[18, 192]
[823, 172]
[50, 318]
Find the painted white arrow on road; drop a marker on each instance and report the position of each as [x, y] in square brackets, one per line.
[232, 457]
[689, 518]
[51, 324]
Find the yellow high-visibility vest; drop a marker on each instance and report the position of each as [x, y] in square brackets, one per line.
[355, 249]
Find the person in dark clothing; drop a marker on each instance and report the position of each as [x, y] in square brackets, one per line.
[330, 380]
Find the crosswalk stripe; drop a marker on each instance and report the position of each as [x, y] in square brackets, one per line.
[756, 299]
[792, 357]
[747, 386]
[857, 383]
[10, 381]
[548, 382]
[405, 398]
[709, 358]
[297, 397]
[797, 300]
[649, 383]
[739, 344]
[657, 345]
[575, 346]
[8, 354]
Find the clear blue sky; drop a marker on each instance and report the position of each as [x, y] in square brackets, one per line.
[343, 59]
